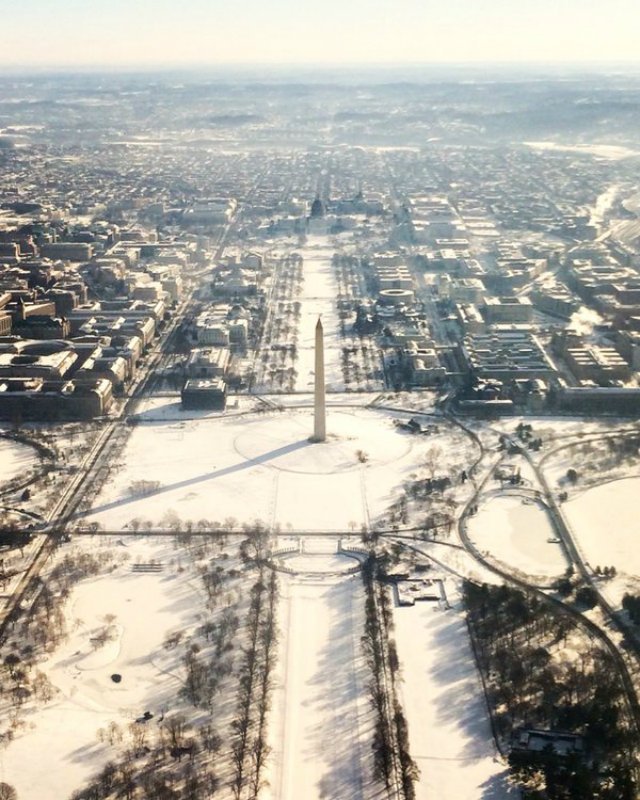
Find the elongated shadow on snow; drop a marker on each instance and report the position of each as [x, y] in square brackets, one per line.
[497, 787]
[83, 754]
[265, 458]
[337, 686]
[460, 700]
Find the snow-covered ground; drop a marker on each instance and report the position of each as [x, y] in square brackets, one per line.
[58, 749]
[318, 298]
[556, 430]
[449, 730]
[163, 409]
[518, 532]
[321, 724]
[306, 400]
[608, 151]
[604, 203]
[604, 523]
[15, 459]
[262, 466]
[456, 561]
[594, 461]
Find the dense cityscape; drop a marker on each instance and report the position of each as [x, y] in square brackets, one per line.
[439, 596]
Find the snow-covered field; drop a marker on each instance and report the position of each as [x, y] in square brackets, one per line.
[15, 459]
[604, 523]
[449, 731]
[306, 400]
[58, 750]
[318, 298]
[262, 466]
[517, 531]
[593, 458]
[321, 725]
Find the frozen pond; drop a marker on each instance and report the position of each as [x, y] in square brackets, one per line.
[15, 459]
[517, 531]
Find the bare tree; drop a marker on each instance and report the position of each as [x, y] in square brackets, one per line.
[433, 459]
[176, 726]
[7, 792]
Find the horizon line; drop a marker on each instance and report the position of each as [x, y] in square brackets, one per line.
[187, 66]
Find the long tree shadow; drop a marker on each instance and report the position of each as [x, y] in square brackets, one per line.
[336, 689]
[460, 700]
[498, 787]
[272, 455]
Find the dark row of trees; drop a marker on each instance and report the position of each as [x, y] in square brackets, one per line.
[249, 746]
[392, 759]
[534, 681]
[278, 332]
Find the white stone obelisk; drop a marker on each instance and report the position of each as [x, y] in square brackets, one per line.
[319, 412]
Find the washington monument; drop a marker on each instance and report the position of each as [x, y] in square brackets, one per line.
[319, 413]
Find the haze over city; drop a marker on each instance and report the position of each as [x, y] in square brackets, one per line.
[199, 32]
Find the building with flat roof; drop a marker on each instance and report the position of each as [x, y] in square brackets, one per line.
[506, 355]
[535, 740]
[469, 318]
[423, 365]
[211, 330]
[556, 301]
[67, 251]
[35, 398]
[112, 368]
[597, 363]
[590, 362]
[467, 290]
[208, 362]
[507, 309]
[50, 366]
[597, 399]
[590, 280]
[204, 393]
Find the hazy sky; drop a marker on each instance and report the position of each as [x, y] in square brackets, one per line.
[171, 32]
